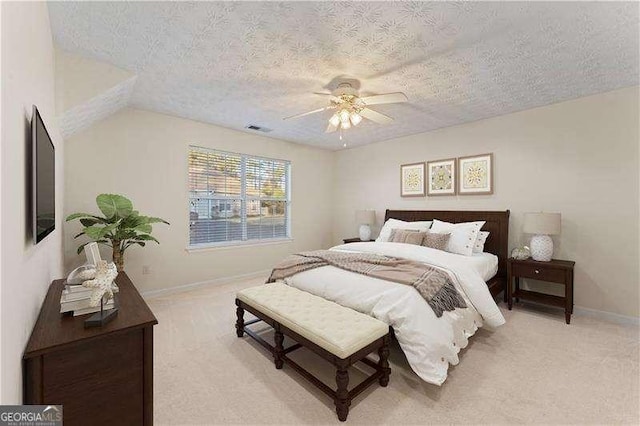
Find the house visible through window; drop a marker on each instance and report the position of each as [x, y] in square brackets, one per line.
[237, 197]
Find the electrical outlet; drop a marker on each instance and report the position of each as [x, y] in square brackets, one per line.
[146, 269]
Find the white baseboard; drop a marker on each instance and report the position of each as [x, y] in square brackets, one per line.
[593, 313]
[193, 286]
[609, 316]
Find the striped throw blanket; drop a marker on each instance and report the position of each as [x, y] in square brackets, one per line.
[433, 284]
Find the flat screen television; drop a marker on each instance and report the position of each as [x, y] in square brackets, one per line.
[44, 179]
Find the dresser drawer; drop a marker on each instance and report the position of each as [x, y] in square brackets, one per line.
[539, 273]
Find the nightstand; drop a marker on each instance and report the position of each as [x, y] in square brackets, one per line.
[353, 240]
[555, 271]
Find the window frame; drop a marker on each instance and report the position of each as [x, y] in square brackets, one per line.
[244, 200]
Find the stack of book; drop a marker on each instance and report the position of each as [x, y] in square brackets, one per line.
[75, 298]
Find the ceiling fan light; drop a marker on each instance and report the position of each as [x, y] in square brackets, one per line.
[345, 124]
[334, 120]
[355, 118]
[344, 116]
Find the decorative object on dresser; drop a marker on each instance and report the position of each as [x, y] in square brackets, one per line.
[120, 228]
[101, 375]
[475, 175]
[541, 225]
[103, 289]
[441, 177]
[75, 297]
[365, 219]
[554, 271]
[412, 182]
[318, 325]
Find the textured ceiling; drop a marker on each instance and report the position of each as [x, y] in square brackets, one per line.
[241, 63]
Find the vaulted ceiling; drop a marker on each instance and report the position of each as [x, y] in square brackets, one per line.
[240, 63]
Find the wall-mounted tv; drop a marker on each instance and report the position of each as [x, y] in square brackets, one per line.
[44, 179]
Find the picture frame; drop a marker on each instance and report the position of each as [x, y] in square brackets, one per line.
[441, 177]
[475, 175]
[412, 180]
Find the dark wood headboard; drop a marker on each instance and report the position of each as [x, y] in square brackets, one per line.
[497, 225]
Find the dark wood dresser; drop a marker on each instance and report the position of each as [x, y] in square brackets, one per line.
[101, 375]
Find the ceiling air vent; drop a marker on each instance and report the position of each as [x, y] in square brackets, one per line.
[257, 128]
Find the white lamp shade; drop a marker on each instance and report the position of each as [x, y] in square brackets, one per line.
[541, 223]
[365, 217]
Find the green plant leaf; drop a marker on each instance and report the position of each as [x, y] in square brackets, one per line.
[130, 243]
[125, 234]
[95, 232]
[83, 215]
[132, 221]
[89, 221]
[82, 233]
[145, 237]
[145, 228]
[112, 227]
[156, 220]
[114, 205]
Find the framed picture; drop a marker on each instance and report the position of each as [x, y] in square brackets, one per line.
[475, 175]
[412, 180]
[441, 177]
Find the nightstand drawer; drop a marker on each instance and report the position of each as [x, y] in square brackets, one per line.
[539, 273]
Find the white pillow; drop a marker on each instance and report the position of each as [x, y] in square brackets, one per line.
[478, 247]
[391, 224]
[463, 235]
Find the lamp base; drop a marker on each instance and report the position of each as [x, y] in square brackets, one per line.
[541, 248]
[365, 233]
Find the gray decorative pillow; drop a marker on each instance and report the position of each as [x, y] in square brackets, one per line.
[436, 241]
[407, 236]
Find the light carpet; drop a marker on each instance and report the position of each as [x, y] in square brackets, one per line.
[535, 369]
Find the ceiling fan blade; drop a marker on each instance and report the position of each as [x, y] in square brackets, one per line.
[386, 98]
[331, 128]
[306, 113]
[375, 116]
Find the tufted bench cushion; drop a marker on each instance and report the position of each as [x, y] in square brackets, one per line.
[339, 330]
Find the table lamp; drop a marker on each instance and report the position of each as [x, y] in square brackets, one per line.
[541, 225]
[365, 219]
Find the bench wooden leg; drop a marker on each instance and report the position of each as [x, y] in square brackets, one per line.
[342, 400]
[383, 363]
[239, 321]
[279, 349]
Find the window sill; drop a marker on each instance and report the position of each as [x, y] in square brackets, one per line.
[237, 244]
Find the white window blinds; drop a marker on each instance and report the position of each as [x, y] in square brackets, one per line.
[237, 197]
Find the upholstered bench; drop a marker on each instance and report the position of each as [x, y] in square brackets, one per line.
[340, 335]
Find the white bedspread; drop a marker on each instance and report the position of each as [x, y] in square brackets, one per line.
[429, 343]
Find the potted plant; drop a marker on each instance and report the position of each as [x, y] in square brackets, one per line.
[120, 228]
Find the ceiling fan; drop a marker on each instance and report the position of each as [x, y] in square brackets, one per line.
[351, 108]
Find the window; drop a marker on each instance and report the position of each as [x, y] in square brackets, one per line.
[237, 198]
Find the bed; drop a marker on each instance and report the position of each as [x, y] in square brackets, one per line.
[431, 343]
[497, 224]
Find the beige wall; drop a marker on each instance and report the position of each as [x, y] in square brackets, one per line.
[80, 79]
[26, 270]
[143, 155]
[579, 158]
